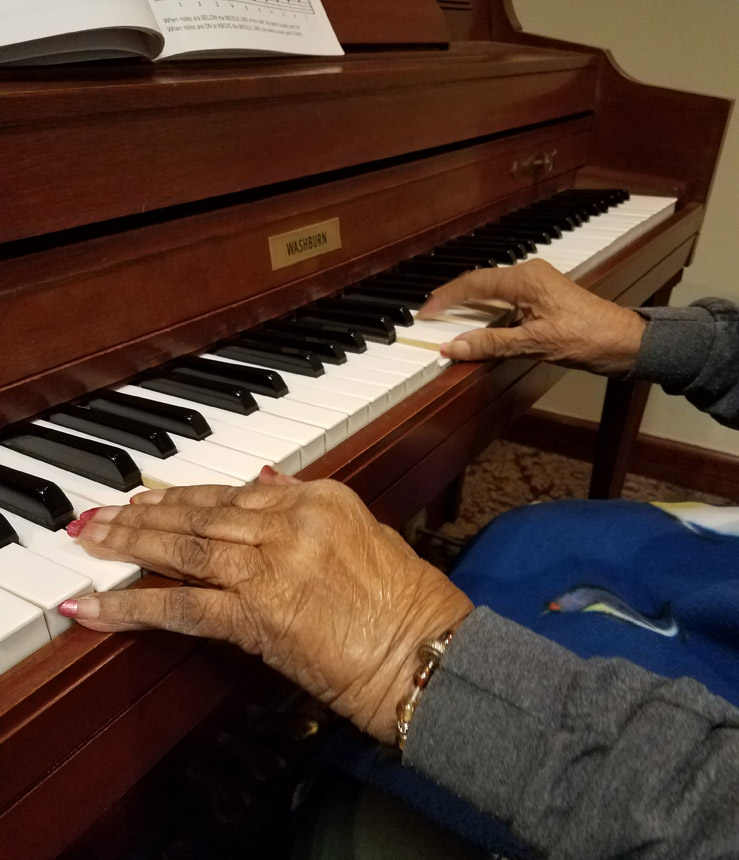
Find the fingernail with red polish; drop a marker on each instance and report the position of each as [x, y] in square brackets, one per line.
[75, 527]
[442, 350]
[84, 607]
[88, 515]
[268, 472]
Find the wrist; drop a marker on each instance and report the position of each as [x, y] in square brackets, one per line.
[441, 609]
[618, 355]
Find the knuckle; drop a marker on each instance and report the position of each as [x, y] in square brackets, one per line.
[192, 553]
[198, 520]
[184, 610]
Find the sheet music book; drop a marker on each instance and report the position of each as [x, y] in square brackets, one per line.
[64, 31]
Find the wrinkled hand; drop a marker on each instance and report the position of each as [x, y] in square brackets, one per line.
[300, 573]
[560, 321]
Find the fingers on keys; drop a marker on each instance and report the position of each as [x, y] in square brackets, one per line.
[193, 611]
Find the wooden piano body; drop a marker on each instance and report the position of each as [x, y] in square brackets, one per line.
[137, 205]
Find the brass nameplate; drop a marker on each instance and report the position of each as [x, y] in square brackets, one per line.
[298, 245]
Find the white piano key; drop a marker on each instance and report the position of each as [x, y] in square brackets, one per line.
[334, 424]
[279, 453]
[80, 504]
[176, 471]
[393, 383]
[426, 335]
[269, 450]
[240, 465]
[60, 547]
[98, 494]
[42, 582]
[411, 373]
[22, 629]
[423, 357]
[372, 393]
[310, 441]
[355, 409]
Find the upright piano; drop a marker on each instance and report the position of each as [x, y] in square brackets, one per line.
[141, 206]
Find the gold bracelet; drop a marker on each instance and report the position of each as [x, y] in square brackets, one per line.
[430, 654]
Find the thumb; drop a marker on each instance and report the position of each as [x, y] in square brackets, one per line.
[193, 611]
[268, 475]
[486, 343]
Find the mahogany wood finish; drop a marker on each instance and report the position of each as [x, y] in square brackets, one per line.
[77, 150]
[387, 23]
[138, 201]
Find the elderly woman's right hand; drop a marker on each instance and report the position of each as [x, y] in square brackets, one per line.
[560, 321]
[300, 573]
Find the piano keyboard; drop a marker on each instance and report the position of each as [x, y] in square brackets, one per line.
[280, 395]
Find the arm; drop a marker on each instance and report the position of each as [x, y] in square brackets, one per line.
[692, 351]
[575, 753]
[585, 758]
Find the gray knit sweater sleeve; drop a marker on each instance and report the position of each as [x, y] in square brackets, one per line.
[584, 758]
[694, 351]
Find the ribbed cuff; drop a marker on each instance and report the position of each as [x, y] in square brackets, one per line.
[481, 725]
[675, 347]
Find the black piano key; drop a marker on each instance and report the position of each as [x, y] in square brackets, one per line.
[398, 315]
[373, 327]
[591, 205]
[520, 233]
[425, 281]
[396, 298]
[272, 355]
[34, 499]
[255, 379]
[613, 195]
[412, 295]
[350, 341]
[209, 392]
[326, 351]
[479, 258]
[404, 282]
[444, 270]
[480, 246]
[7, 533]
[97, 461]
[129, 432]
[572, 209]
[175, 419]
[548, 224]
[534, 216]
[604, 200]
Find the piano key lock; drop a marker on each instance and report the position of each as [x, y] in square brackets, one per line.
[536, 166]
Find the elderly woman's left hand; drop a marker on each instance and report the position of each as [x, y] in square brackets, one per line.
[300, 573]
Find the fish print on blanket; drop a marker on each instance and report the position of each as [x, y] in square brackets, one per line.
[590, 598]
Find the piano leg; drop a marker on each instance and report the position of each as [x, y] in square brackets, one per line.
[623, 408]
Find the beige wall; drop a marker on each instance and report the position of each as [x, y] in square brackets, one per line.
[688, 45]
